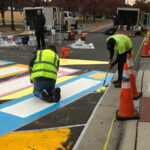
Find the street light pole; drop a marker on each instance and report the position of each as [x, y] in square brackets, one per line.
[12, 17]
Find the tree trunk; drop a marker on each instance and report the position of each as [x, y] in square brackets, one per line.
[3, 18]
[94, 11]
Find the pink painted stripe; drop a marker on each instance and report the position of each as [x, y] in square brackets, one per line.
[16, 90]
[13, 79]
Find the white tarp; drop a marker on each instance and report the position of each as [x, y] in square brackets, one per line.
[81, 45]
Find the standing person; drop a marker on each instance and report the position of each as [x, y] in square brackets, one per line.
[123, 45]
[43, 69]
[39, 23]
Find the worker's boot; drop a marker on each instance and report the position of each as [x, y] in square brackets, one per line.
[47, 98]
[57, 95]
[116, 81]
[118, 85]
[44, 96]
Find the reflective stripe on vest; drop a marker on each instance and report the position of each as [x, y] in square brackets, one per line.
[45, 65]
[123, 43]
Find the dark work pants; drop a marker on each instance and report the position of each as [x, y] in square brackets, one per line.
[121, 60]
[40, 85]
[40, 39]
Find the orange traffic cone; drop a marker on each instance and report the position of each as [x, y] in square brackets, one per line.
[148, 36]
[145, 52]
[127, 110]
[135, 94]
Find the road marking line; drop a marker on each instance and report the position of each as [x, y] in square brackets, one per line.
[14, 85]
[12, 70]
[3, 62]
[62, 127]
[18, 84]
[29, 90]
[14, 114]
[64, 61]
[34, 104]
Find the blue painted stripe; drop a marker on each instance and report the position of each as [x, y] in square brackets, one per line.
[10, 122]
[6, 62]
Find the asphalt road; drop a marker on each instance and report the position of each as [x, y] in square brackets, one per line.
[75, 115]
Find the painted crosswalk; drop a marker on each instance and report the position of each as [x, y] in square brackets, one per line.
[21, 111]
[12, 70]
[3, 62]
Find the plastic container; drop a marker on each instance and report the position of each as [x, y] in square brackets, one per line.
[65, 52]
[25, 40]
[82, 37]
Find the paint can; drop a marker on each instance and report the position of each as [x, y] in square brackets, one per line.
[65, 52]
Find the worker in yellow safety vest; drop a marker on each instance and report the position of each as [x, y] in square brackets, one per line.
[43, 68]
[123, 45]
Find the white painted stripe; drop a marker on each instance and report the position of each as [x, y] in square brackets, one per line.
[129, 63]
[13, 85]
[130, 71]
[62, 127]
[66, 69]
[11, 70]
[34, 105]
[59, 74]
[126, 85]
[125, 74]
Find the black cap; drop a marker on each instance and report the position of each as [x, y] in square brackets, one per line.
[110, 44]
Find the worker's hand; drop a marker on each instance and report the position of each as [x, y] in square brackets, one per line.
[110, 67]
[110, 61]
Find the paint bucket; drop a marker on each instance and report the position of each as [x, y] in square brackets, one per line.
[53, 32]
[125, 27]
[134, 28]
[121, 27]
[65, 52]
[82, 37]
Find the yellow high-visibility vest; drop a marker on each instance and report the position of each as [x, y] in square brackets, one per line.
[45, 65]
[122, 44]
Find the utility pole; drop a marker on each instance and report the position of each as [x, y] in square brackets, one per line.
[12, 17]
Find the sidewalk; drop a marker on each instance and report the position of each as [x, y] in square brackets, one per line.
[104, 132]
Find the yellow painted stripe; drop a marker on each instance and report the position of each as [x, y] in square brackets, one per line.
[37, 140]
[110, 130]
[2, 63]
[98, 28]
[28, 91]
[101, 27]
[64, 62]
[17, 72]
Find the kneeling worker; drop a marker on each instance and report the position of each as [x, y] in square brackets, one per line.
[43, 69]
[123, 45]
